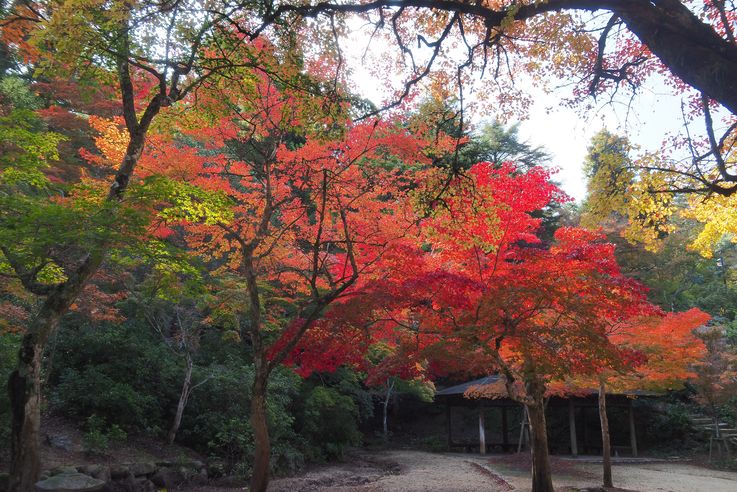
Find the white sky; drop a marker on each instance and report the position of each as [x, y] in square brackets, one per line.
[565, 133]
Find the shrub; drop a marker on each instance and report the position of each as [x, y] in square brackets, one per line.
[233, 442]
[330, 419]
[218, 419]
[97, 370]
[99, 435]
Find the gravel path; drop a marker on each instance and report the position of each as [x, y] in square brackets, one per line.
[401, 471]
[416, 471]
[669, 477]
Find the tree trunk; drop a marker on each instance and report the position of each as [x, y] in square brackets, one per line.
[262, 445]
[542, 480]
[24, 388]
[692, 50]
[606, 448]
[389, 389]
[183, 397]
[24, 383]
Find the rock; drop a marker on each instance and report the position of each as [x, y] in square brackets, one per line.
[142, 469]
[64, 442]
[70, 482]
[142, 485]
[200, 478]
[63, 469]
[100, 472]
[119, 472]
[4, 479]
[130, 484]
[197, 465]
[215, 469]
[168, 478]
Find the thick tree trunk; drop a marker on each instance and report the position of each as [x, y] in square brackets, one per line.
[24, 388]
[542, 479]
[24, 384]
[259, 422]
[183, 397]
[262, 444]
[606, 448]
[691, 49]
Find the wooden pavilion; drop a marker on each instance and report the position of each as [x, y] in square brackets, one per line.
[510, 430]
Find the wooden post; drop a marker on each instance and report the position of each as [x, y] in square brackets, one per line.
[633, 434]
[572, 426]
[606, 446]
[450, 427]
[482, 432]
[585, 432]
[505, 429]
[522, 428]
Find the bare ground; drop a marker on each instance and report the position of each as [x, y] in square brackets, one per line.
[62, 444]
[404, 471]
[415, 471]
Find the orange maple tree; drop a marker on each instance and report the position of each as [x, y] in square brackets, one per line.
[313, 204]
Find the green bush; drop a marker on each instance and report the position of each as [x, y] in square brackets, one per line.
[217, 419]
[434, 443]
[98, 370]
[330, 419]
[233, 442]
[668, 424]
[88, 391]
[99, 435]
[96, 375]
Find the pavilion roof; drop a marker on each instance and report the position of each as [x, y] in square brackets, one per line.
[460, 389]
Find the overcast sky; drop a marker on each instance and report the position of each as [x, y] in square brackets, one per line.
[566, 134]
[562, 131]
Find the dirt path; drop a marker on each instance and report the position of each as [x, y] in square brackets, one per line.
[668, 477]
[416, 471]
[402, 471]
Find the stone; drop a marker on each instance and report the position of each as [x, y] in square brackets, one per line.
[119, 472]
[143, 485]
[142, 469]
[215, 469]
[168, 478]
[63, 469]
[100, 472]
[70, 482]
[64, 442]
[130, 484]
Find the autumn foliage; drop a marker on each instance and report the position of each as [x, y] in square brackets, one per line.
[326, 240]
